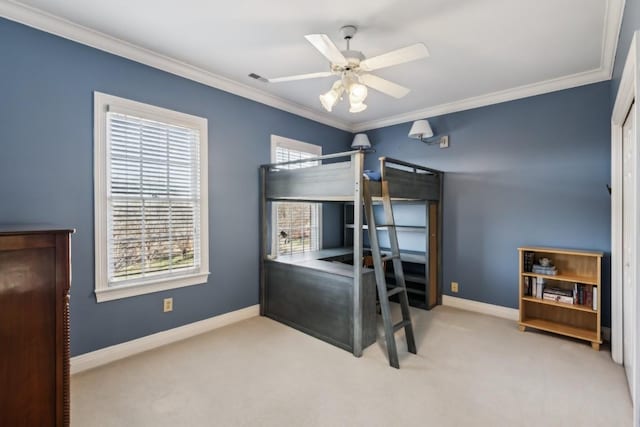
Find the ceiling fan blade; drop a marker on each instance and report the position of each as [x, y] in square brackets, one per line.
[327, 48]
[384, 86]
[291, 78]
[395, 57]
[301, 77]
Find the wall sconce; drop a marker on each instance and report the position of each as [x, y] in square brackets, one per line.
[361, 142]
[421, 130]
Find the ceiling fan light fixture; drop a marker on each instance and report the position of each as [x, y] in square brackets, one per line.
[329, 99]
[357, 93]
[357, 107]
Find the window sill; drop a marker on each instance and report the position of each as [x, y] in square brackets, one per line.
[126, 291]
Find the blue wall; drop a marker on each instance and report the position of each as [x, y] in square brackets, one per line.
[526, 172]
[46, 171]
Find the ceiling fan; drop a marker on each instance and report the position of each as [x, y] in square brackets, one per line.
[353, 68]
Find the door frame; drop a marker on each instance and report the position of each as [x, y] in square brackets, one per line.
[627, 94]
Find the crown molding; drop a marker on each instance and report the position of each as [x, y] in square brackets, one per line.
[611, 33]
[44, 21]
[52, 24]
[525, 91]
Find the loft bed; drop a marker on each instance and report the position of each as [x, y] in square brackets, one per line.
[325, 293]
[340, 181]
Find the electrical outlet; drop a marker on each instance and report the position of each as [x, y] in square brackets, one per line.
[444, 141]
[454, 286]
[168, 305]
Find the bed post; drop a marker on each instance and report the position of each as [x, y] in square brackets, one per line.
[263, 236]
[358, 167]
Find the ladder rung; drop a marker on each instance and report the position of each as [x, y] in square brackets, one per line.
[388, 257]
[401, 325]
[394, 291]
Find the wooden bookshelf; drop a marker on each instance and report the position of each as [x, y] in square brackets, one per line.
[573, 320]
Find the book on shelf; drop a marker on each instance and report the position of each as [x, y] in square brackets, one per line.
[527, 286]
[559, 291]
[539, 286]
[528, 261]
[557, 298]
[558, 294]
[586, 295]
[580, 293]
[548, 270]
[534, 287]
[531, 286]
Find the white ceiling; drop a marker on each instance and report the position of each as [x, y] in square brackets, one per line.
[482, 51]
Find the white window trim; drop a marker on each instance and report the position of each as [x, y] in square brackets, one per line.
[100, 160]
[291, 144]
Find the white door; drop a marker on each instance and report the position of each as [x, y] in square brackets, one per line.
[628, 246]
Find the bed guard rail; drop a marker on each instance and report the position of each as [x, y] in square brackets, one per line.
[416, 168]
[312, 159]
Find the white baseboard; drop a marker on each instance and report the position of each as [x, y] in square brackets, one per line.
[481, 307]
[110, 354]
[498, 311]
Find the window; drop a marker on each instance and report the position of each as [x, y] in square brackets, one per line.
[296, 225]
[150, 198]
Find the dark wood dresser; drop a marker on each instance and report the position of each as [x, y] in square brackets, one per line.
[35, 276]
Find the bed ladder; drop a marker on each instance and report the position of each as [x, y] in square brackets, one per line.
[400, 288]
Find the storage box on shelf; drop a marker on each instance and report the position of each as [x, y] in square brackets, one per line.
[577, 273]
[416, 225]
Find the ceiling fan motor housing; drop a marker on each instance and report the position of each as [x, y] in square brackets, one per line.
[353, 58]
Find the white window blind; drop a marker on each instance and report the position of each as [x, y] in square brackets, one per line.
[297, 225]
[151, 204]
[153, 198]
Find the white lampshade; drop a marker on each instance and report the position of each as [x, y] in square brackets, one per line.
[420, 130]
[357, 93]
[329, 99]
[357, 107]
[361, 142]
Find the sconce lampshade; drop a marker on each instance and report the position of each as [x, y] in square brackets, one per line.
[361, 142]
[420, 130]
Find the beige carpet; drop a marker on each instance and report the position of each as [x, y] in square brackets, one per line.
[471, 370]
